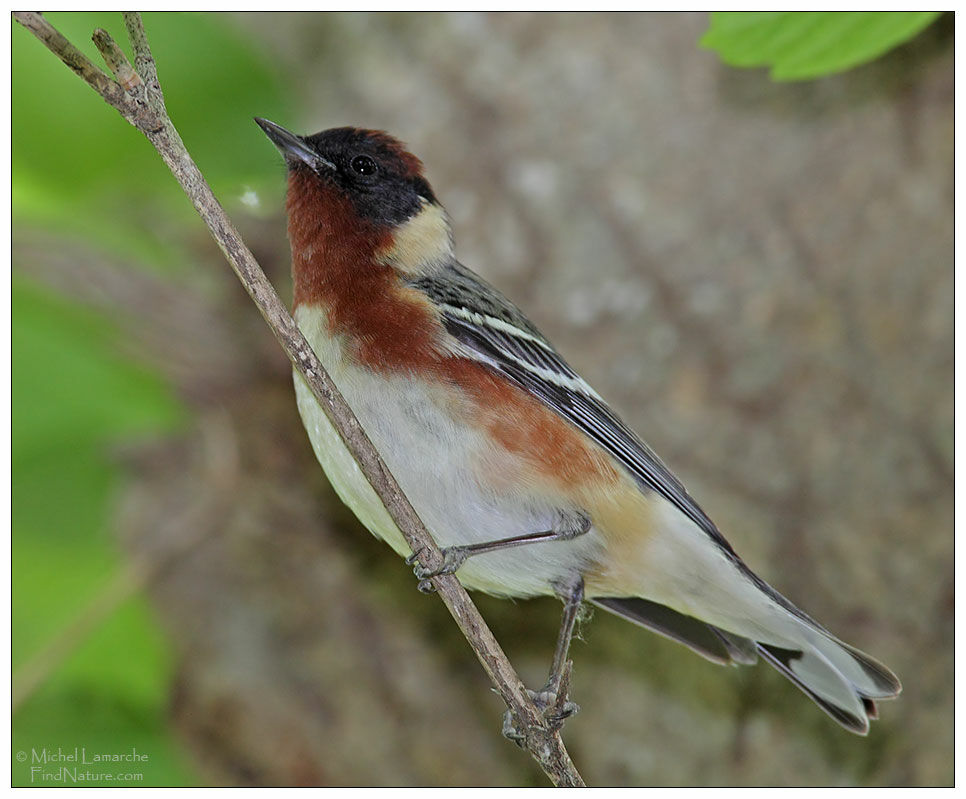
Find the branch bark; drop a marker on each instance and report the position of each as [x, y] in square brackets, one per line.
[136, 94]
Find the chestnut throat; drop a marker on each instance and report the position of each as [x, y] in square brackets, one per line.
[336, 265]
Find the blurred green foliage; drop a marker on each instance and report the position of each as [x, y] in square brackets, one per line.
[78, 167]
[72, 393]
[80, 172]
[800, 45]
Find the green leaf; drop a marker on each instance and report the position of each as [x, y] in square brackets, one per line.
[799, 45]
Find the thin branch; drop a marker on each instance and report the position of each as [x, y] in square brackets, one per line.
[144, 61]
[115, 59]
[74, 58]
[145, 110]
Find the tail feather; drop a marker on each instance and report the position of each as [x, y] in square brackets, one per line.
[872, 679]
[840, 679]
[848, 708]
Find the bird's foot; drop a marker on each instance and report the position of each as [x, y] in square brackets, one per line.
[555, 709]
[453, 558]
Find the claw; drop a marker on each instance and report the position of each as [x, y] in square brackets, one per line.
[569, 709]
[451, 562]
[510, 731]
[553, 710]
[424, 586]
[453, 558]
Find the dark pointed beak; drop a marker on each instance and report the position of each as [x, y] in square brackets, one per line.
[293, 148]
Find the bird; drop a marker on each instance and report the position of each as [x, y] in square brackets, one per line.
[524, 476]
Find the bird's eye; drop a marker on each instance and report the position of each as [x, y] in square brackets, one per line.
[363, 165]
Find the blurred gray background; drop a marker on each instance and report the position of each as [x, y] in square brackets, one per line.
[757, 276]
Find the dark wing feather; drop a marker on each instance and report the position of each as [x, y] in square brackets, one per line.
[492, 330]
[708, 641]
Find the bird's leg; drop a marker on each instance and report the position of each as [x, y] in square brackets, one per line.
[572, 597]
[552, 700]
[571, 526]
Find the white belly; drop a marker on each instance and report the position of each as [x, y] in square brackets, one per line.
[435, 460]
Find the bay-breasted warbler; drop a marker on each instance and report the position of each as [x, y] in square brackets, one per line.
[517, 467]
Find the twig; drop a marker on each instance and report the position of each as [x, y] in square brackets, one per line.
[114, 57]
[74, 58]
[141, 102]
[144, 61]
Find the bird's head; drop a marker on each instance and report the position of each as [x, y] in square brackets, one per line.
[366, 182]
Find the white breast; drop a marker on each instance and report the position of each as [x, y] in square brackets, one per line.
[436, 460]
